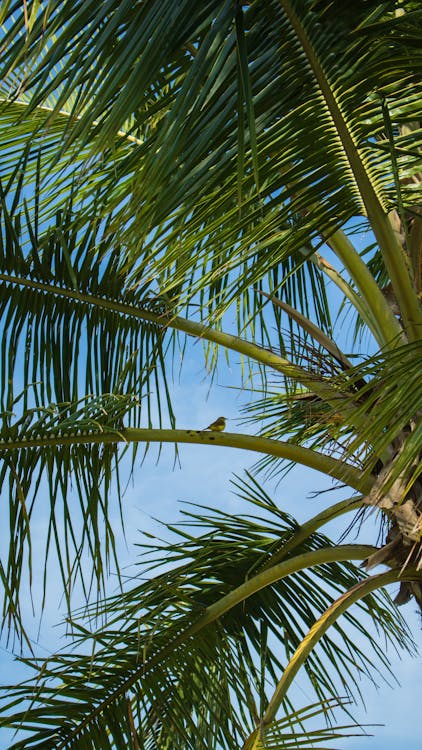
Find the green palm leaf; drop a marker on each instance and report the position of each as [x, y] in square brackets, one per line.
[180, 669]
[197, 178]
[69, 365]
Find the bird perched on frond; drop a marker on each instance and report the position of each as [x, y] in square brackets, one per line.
[217, 426]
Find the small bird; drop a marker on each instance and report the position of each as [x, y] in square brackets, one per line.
[218, 426]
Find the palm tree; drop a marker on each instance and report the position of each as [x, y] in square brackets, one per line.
[165, 165]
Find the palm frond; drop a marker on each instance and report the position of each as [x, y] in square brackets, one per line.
[179, 675]
[234, 90]
[94, 351]
[283, 733]
[75, 531]
[69, 364]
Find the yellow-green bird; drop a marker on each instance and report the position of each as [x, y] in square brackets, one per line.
[217, 426]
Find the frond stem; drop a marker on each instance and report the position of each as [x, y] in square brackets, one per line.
[197, 330]
[334, 468]
[394, 257]
[218, 609]
[357, 592]
[388, 326]
[309, 527]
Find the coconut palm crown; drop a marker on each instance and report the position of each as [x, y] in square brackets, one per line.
[242, 174]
